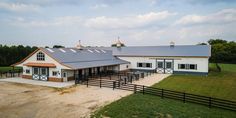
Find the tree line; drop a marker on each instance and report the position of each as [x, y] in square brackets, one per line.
[12, 54]
[222, 51]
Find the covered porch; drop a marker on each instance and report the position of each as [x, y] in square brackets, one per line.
[81, 75]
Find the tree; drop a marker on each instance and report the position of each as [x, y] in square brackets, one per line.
[58, 46]
[202, 44]
[114, 45]
[222, 51]
[216, 41]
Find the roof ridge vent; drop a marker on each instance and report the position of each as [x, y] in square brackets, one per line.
[50, 50]
[103, 51]
[90, 50]
[97, 51]
[62, 50]
[73, 50]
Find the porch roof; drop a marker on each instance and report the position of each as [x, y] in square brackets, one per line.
[51, 65]
[95, 63]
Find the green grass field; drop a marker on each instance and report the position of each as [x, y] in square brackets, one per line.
[148, 106]
[6, 69]
[220, 85]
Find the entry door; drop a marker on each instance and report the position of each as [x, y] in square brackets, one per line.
[44, 74]
[160, 66]
[168, 67]
[36, 73]
[164, 66]
[40, 73]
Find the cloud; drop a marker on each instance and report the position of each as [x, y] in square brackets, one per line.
[103, 22]
[99, 6]
[58, 21]
[18, 7]
[223, 16]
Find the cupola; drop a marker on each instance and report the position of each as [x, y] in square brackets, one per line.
[172, 44]
[79, 46]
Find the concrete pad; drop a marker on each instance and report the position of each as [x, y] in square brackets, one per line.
[41, 83]
[151, 80]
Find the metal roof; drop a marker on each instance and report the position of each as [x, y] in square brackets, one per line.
[85, 58]
[162, 51]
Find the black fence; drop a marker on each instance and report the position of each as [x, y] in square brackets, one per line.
[11, 73]
[125, 76]
[163, 93]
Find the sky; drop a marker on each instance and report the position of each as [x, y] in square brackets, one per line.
[101, 22]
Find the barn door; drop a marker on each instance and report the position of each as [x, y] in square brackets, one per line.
[40, 73]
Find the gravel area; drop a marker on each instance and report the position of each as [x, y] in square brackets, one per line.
[31, 101]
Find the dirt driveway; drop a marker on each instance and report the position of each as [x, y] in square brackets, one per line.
[31, 101]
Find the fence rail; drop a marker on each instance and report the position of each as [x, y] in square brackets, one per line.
[164, 93]
[11, 73]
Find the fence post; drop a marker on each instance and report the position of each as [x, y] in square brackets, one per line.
[114, 85]
[131, 78]
[143, 89]
[100, 83]
[162, 93]
[184, 95]
[87, 82]
[209, 102]
[135, 86]
[18, 73]
[119, 83]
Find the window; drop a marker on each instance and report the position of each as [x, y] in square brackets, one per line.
[193, 66]
[148, 65]
[27, 71]
[144, 65]
[54, 73]
[140, 65]
[40, 56]
[43, 71]
[187, 66]
[168, 64]
[159, 64]
[36, 71]
[182, 66]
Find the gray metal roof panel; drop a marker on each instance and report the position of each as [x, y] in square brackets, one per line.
[177, 50]
[85, 58]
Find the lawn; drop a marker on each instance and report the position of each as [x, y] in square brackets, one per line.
[7, 68]
[220, 85]
[148, 106]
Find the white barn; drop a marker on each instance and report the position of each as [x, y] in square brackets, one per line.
[65, 64]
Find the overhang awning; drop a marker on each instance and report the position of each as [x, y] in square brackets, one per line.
[51, 65]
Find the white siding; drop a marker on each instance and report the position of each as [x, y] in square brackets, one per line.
[134, 60]
[124, 67]
[202, 64]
